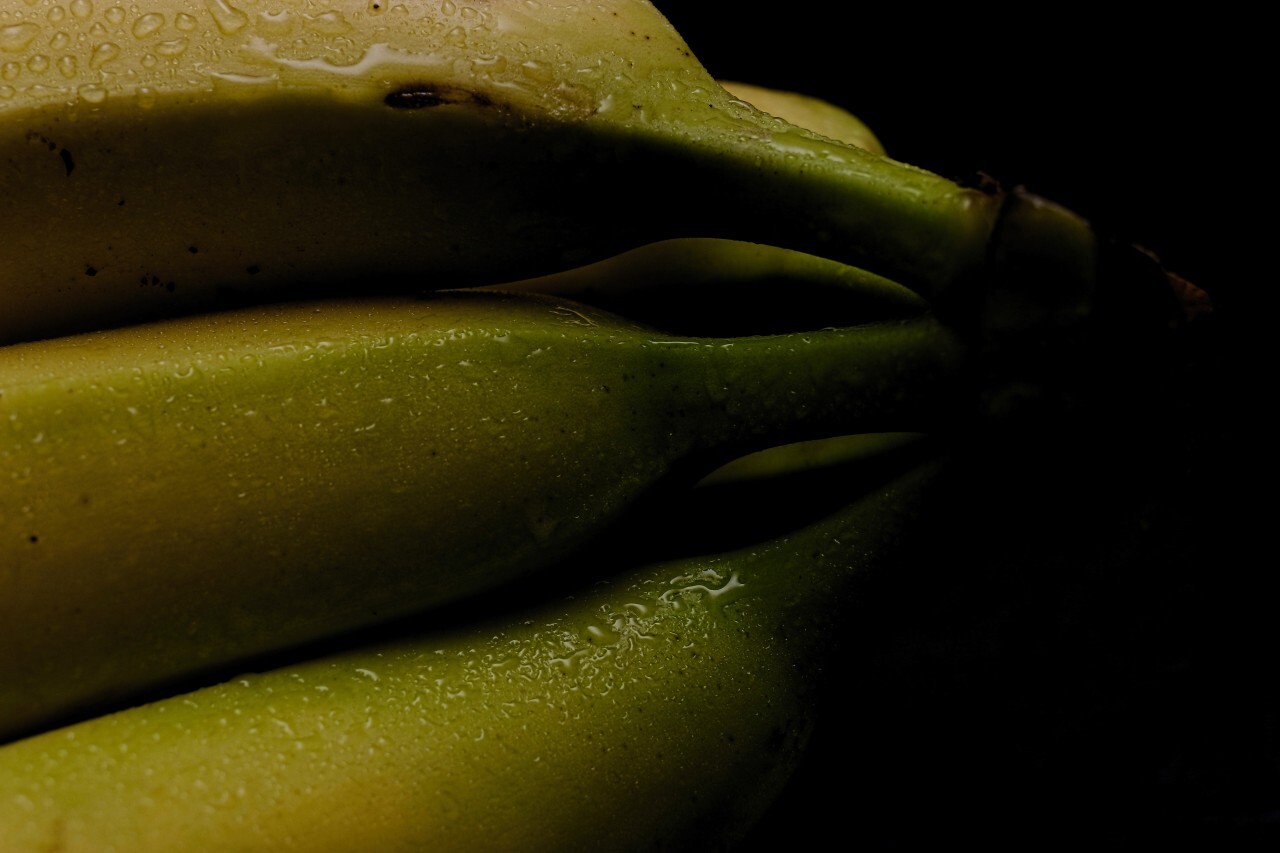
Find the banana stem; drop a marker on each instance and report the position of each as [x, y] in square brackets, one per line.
[803, 192]
[1008, 260]
[881, 377]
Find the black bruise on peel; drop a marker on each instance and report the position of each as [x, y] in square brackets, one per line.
[64, 155]
[421, 95]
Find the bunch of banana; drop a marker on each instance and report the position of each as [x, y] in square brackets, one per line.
[179, 497]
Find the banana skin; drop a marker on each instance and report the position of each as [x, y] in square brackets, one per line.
[174, 156]
[184, 494]
[659, 709]
[822, 117]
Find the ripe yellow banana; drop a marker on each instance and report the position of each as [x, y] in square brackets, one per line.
[164, 157]
[182, 494]
[662, 709]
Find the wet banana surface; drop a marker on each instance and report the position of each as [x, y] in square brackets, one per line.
[1089, 674]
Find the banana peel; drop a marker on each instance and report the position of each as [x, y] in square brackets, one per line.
[815, 114]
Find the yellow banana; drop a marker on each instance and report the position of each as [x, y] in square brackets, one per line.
[183, 494]
[166, 157]
[661, 709]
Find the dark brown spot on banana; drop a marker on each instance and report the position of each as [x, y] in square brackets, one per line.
[420, 95]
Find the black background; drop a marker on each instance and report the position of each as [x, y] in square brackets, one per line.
[1083, 656]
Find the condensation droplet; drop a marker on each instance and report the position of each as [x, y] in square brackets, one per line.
[104, 52]
[457, 37]
[10, 70]
[172, 47]
[489, 65]
[81, 8]
[38, 63]
[228, 18]
[60, 40]
[448, 7]
[115, 15]
[93, 93]
[275, 23]
[330, 24]
[67, 66]
[536, 71]
[17, 36]
[7, 92]
[57, 15]
[185, 22]
[149, 60]
[147, 25]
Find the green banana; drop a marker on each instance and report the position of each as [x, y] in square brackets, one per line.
[182, 154]
[186, 493]
[660, 709]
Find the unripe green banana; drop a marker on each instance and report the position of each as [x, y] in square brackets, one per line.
[182, 494]
[162, 158]
[662, 709]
